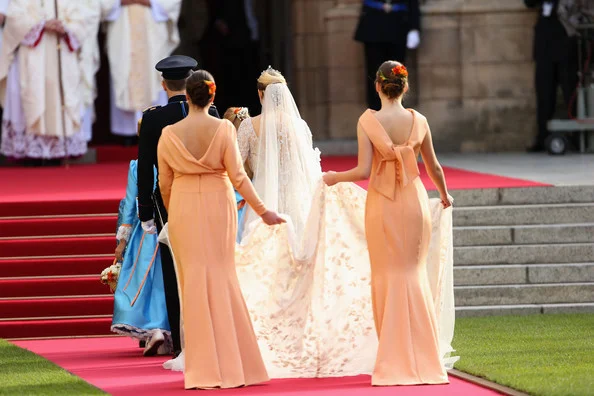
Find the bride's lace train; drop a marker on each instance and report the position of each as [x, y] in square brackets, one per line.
[309, 295]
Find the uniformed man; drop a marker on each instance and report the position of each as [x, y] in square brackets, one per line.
[555, 55]
[386, 28]
[175, 70]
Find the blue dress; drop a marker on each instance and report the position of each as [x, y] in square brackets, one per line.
[240, 216]
[139, 306]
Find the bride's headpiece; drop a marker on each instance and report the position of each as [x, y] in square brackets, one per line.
[270, 76]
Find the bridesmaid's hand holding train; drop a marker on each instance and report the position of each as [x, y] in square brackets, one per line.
[447, 201]
[272, 218]
[330, 178]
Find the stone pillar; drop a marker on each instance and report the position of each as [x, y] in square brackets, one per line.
[346, 78]
[476, 74]
[311, 63]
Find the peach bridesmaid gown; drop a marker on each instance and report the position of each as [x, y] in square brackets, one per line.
[398, 231]
[221, 350]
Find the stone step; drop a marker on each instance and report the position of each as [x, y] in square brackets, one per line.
[549, 293]
[522, 196]
[524, 215]
[527, 309]
[482, 275]
[525, 254]
[523, 235]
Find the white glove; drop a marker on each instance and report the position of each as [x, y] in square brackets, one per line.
[149, 226]
[413, 39]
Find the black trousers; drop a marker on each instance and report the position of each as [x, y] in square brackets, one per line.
[549, 76]
[375, 55]
[169, 283]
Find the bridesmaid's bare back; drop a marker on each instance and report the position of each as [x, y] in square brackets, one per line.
[197, 133]
[397, 123]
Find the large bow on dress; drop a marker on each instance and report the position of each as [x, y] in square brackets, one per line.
[398, 166]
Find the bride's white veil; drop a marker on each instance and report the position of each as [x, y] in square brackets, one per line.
[288, 168]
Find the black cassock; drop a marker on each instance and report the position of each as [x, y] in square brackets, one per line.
[384, 35]
[150, 205]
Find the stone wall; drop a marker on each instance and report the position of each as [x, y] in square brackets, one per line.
[472, 75]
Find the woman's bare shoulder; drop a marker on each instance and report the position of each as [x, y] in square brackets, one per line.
[418, 115]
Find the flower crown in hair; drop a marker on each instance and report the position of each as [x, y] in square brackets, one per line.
[212, 87]
[242, 113]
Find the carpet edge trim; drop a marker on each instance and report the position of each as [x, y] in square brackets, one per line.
[486, 383]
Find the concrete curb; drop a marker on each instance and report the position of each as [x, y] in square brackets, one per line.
[504, 390]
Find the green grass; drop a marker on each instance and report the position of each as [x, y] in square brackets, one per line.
[25, 373]
[539, 354]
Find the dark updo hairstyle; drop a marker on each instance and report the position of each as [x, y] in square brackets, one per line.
[392, 77]
[198, 90]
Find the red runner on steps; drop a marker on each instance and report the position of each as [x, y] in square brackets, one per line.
[14, 268]
[56, 307]
[43, 226]
[57, 246]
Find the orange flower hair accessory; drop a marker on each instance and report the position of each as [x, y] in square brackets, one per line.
[400, 71]
[212, 87]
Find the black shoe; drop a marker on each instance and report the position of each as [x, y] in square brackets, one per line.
[32, 162]
[52, 162]
[142, 344]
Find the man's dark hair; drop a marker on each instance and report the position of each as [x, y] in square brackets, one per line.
[175, 85]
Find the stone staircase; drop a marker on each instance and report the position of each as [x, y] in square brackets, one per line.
[524, 250]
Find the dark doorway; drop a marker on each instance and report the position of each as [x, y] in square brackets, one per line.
[102, 128]
[276, 34]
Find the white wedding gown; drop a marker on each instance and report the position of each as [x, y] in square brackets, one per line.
[307, 283]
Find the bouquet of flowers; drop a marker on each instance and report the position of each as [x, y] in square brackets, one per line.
[110, 275]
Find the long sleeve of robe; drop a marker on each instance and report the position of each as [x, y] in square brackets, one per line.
[89, 52]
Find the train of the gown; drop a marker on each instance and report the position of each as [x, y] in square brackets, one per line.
[309, 295]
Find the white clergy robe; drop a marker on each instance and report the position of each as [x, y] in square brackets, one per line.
[3, 9]
[42, 101]
[137, 38]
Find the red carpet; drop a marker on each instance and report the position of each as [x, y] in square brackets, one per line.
[56, 307]
[35, 287]
[57, 246]
[14, 268]
[55, 327]
[457, 179]
[96, 189]
[112, 154]
[57, 229]
[57, 226]
[116, 366]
